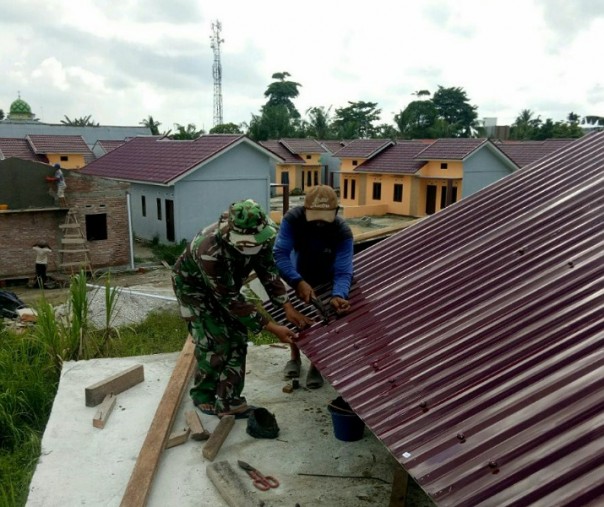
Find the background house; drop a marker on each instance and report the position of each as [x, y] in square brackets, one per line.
[178, 187]
[99, 205]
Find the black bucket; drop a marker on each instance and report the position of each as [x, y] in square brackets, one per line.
[347, 426]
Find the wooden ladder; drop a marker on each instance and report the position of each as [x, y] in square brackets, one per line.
[74, 254]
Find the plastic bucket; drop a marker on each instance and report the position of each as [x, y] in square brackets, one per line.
[347, 426]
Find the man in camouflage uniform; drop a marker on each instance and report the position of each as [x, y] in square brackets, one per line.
[207, 280]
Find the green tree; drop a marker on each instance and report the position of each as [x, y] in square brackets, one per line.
[318, 124]
[356, 120]
[151, 124]
[525, 126]
[452, 105]
[386, 131]
[279, 117]
[1, 114]
[84, 121]
[226, 128]
[417, 120]
[186, 133]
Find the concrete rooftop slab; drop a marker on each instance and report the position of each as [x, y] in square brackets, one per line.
[83, 465]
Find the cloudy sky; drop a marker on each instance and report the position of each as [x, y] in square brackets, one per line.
[123, 61]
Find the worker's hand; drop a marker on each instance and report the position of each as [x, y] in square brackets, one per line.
[298, 319]
[283, 333]
[340, 305]
[304, 291]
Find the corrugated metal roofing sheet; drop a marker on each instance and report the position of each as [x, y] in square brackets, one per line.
[450, 149]
[475, 350]
[526, 152]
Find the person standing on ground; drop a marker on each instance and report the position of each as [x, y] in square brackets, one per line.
[314, 246]
[42, 250]
[61, 185]
[207, 280]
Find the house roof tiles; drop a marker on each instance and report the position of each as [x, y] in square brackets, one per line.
[278, 149]
[298, 146]
[363, 148]
[47, 144]
[475, 350]
[399, 158]
[526, 152]
[450, 149]
[160, 160]
[18, 148]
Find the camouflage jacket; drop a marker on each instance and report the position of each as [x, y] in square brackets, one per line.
[212, 271]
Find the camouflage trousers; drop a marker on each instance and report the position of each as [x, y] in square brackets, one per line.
[220, 352]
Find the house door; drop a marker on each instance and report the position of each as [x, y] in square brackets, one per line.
[430, 199]
[170, 220]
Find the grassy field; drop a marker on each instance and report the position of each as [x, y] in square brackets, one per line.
[30, 366]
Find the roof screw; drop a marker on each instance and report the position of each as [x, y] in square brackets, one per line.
[520, 251]
[571, 265]
[461, 437]
[424, 406]
[494, 466]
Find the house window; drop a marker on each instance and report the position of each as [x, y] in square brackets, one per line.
[96, 227]
[355, 162]
[144, 205]
[443, 197]
[346, 189]
[316, 177]
[309, 178]
[158, 200]
[353, 185]
[308, 157]
[285, 178]
[377, 191]
[398, 192]
[443, 165]
[64, 158]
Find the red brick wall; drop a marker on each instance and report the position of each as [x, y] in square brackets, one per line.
[87, 195]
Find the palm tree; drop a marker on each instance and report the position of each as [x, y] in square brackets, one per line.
[151, 124]
[84, 121]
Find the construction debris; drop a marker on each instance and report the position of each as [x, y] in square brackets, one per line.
[104, 411]
[115, 384]
[198, 432]
[214, 443]
[178, 438]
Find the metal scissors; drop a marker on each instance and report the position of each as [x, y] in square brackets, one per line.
[262, 482]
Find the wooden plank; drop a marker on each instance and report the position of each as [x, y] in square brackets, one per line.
[198, 432]
[230, 486]
[73, 241]
[145, 467]
[178, 438]
[214, 443]
[115, 384]
[69, 226]
[400, 480]
[104, 411]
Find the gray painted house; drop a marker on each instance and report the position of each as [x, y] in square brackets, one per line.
[179, 187]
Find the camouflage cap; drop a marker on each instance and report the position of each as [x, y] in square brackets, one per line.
[248, 224]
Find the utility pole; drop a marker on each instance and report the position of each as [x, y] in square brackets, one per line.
[217, 71]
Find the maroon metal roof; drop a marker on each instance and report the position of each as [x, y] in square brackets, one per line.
[159, 160]
[333, 146]
[299, 146]
[475, 350]
[278, 149]
[399, 159]
[108, 145]
[526, 152]
[44, 144]
[450, 149]
[363, 148]
[18, 148]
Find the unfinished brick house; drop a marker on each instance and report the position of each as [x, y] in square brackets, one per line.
[32, 214]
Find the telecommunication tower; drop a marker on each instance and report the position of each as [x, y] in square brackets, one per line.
[217, 71]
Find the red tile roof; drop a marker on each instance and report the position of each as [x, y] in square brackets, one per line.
[18, 148]
[475, 350]
[526, 152]
[161, 160]
[278, 149]
[450, 149]
[399, 158]
[333, 146]
[363, 148]
[299, 146]
[110, 145]
[46, 144]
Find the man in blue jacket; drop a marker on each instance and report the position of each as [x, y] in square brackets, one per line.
[314, 246]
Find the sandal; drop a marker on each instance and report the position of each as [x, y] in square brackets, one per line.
[314, 379]
[292, 368]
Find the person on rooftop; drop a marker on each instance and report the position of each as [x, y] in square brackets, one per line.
[207, 280]
[314, 246]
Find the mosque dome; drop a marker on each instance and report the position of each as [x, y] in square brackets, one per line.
[20, 110]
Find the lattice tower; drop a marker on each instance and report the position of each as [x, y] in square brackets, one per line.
[217, 71]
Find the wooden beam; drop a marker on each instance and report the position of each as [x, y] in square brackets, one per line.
[115, 384]
[214, 443]
[139, 485]
[104, 411]
[198, 432]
